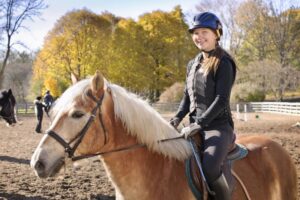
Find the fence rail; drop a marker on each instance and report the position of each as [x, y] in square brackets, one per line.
[165, 107]
[290, 108]
[25, 108]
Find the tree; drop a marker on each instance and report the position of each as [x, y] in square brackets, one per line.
[76, 45]
[18, 74]
[295, 27]
[129, 58]
[169, 46]
[269, 33]
[145, 56]
[13, 14]
[252, 19]
[284, 31]
[265, 76]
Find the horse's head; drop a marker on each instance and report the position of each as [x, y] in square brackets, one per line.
[91, 117]
[79, 125]
[7, 106]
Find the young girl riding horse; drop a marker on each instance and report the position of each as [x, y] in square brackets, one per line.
[210, 76]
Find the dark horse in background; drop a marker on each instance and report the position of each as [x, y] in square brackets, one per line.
[7, 106]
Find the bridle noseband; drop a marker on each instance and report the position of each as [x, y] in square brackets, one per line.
[67, 145]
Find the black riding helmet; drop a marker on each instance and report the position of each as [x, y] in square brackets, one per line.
[207, 20]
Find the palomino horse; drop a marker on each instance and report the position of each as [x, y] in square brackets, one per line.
[7, 106]
[94, 117]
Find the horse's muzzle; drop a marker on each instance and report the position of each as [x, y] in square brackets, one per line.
[41, 170]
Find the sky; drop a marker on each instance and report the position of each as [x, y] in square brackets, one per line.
[38, 29]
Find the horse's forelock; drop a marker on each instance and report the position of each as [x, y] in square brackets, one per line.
[72, 93]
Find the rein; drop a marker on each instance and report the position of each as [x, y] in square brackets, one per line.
[131, 147]
[79, 137]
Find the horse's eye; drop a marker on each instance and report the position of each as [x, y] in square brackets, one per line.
[77, 114]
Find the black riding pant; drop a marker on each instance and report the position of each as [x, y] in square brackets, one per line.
[217, 141]
[38, 128]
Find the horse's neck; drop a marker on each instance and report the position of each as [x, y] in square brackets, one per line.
[131, 162]
[136, 171]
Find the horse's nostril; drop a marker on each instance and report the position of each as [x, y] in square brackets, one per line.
[39, 166]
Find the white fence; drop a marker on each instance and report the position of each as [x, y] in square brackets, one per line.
[165, 107]
[289, 108]
[25, 108]
[292, 108]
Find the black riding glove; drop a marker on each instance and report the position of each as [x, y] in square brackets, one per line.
[175, 121]
[190, 130]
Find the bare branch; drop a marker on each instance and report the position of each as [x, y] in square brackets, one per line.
[12, 16]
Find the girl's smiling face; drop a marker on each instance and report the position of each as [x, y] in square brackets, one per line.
[205, 39]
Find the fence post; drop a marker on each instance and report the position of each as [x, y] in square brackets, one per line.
[245, 113]
[237, 111]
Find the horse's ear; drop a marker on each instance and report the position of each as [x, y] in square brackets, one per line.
[74, 78]
[97, 82]
[9, 92]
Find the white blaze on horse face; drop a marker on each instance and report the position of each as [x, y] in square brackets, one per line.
[47, 153]
[66, 124]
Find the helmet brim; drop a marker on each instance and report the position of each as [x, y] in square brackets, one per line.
[191, 30]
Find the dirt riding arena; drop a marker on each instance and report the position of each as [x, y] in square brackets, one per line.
[17, 180]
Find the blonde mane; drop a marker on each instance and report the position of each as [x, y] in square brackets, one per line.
[145, 123]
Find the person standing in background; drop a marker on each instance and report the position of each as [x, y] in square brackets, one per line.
[38, 108]
[48, 100]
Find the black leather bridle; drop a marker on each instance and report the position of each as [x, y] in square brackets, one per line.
[67, 145]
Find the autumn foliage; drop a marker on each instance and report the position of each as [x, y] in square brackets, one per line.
[145, 56]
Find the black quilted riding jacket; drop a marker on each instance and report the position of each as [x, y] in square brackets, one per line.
[211, 94]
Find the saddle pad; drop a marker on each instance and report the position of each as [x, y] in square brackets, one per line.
[193, 177]
[238, 153]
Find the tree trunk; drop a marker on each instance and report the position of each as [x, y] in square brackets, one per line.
[4, 63]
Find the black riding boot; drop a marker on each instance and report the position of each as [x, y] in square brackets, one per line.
[221, 188]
